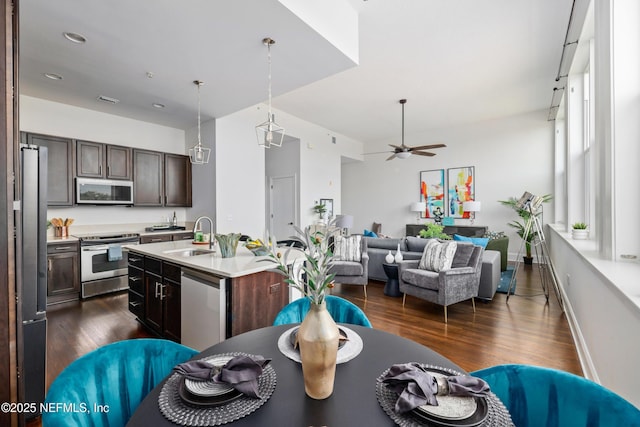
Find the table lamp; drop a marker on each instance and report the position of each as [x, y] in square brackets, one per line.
[344, 222]
[418, 207]
[472, 207]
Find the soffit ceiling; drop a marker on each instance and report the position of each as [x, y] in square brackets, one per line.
[455, 62]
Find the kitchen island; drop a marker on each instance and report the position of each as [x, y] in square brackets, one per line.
[190, 294]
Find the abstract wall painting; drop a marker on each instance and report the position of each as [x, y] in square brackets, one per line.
[460, 189]
[432, 192]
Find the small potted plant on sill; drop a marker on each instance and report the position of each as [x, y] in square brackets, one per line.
[579, 231]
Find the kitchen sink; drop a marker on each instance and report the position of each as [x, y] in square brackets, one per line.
[189, 252]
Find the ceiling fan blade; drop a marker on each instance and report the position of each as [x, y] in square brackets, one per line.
[423, 153]
[427, 147]
[377, 152]
[397, 147]
[393, 156]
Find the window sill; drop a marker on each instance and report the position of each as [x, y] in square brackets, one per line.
[621, 275]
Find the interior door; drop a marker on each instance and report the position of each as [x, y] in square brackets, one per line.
[283, 206]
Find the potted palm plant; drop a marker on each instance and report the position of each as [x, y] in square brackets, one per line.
[520, 226]
[580, 231]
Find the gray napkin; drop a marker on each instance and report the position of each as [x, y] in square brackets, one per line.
[417, 387]
[241, 372]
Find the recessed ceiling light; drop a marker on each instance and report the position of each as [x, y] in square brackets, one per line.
[74, 37]
[158, 105]
[53, 76]
[108, 99]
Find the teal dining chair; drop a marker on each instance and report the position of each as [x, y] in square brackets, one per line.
[115, 378]
[341, 310]
[545, 397]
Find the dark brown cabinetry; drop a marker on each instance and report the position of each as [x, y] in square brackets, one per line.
[148, 176]
[256, 300]
[171, 310]
[161, 179]
[155, 238]
[154, 294]
[187, 235]
[60, 170]
[177, 180]
[63, 272]
[96, 160]
[136, 284]
[168, 237]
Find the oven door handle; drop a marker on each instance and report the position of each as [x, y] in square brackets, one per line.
[95, 248]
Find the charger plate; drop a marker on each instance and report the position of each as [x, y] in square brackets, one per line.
[352, 347]
[490, 411]
[209, 388]
[174, 408]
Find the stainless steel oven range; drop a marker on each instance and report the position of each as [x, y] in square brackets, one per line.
[103, 262]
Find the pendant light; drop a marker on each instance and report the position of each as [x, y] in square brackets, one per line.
[198, 154]
[269, 133]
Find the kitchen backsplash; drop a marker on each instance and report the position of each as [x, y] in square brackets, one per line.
[91, 215]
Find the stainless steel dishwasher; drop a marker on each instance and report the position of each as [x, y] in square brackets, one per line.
[203, 305]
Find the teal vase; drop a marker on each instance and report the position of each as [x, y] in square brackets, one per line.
[228, 244]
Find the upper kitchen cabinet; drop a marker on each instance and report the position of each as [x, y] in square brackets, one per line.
[161, 179]
[96, 160]
[148, 177]
[177, 180]
[59, 167]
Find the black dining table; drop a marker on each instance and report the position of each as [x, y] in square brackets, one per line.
[353, 402]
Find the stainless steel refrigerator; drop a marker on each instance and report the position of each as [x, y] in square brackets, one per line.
[31, 277]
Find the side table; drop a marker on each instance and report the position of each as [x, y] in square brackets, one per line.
[392, 288]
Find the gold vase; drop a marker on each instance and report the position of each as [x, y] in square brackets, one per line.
[318, 340]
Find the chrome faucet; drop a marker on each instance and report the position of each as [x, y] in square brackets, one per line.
[197, 223]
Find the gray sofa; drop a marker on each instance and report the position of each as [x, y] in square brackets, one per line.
[412, 248]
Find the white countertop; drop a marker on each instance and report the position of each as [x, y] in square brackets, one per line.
[242, 264]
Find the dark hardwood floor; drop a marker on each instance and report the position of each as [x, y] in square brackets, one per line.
[526, 330]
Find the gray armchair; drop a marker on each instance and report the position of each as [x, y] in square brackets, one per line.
[446, 287]
[353, 272]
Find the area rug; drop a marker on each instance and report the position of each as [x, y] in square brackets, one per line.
[505, 280]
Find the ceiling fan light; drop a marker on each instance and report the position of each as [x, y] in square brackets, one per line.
[403, 154]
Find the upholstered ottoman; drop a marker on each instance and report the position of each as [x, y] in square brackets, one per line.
[490, 275]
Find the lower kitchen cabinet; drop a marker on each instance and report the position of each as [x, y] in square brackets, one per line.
[256, 300]
[171, 310]
[154, 295]
[63, 272]
[167, 237]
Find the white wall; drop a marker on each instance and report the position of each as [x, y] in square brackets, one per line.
[240, 169]
[52, 118]
[203, 176]
[603, 309]
[510, 155]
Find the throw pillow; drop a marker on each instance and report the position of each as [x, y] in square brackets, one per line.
[437, 255]
[493, 235]
[348, 248]
[478, 241]
[377, 228]
[369, 233]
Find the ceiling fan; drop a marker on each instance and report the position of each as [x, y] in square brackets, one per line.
[404, 151]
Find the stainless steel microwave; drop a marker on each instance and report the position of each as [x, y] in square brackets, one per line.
[91, 191]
